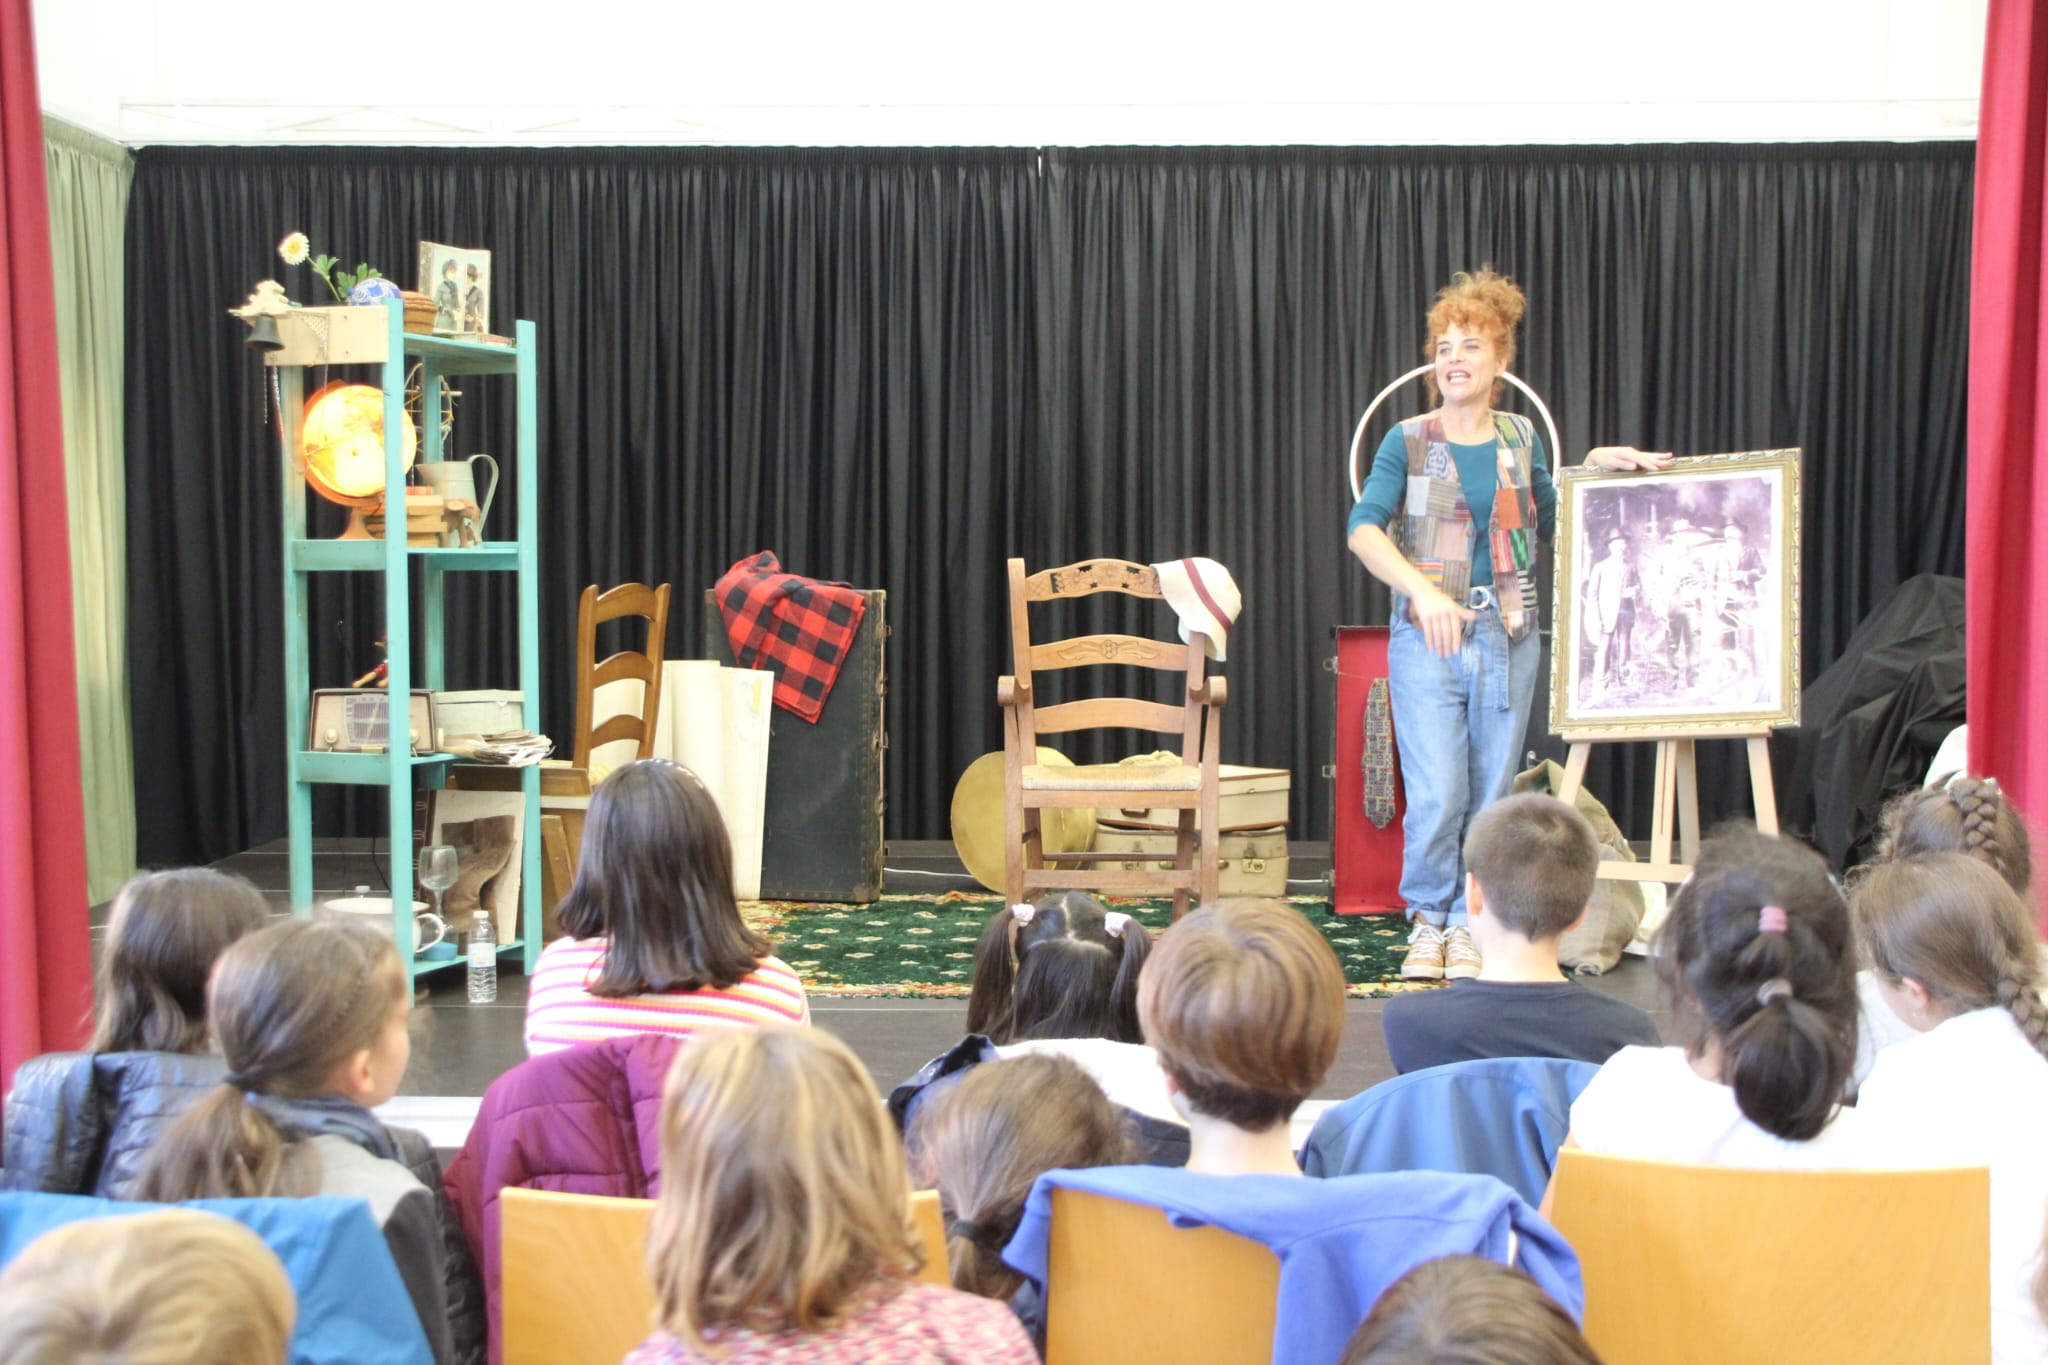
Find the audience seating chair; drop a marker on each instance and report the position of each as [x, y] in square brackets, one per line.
[1499, 1116]
[1031, 787]
[352, 1304]
[1108, 1256]
[576, 1286]
[1711, 1264]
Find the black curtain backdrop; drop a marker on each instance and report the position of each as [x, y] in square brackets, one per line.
[901, 367]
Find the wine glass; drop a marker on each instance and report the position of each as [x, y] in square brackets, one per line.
[437, 871]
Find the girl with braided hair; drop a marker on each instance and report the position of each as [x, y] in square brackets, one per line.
[1757, 962]
[1963, 815]
[1953, 950]
[1967, 815]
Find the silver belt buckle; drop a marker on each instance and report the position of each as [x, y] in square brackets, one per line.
[1479, 598]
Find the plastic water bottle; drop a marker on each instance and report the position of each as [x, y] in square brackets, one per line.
[483, 961]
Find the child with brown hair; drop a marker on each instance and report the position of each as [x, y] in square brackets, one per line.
[1954, 954]
[310, 1016]
[1530, 862]
[1756, 959]
[170, 1287]
[783, 1230]
[1467, 1310]
[1244, 1001]
[78, 1123]
[1967, 815]
[655, 942]
[985, 1142]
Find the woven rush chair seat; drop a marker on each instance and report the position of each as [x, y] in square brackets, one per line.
[1114, 777]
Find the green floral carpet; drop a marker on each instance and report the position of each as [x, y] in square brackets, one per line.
[924, 945]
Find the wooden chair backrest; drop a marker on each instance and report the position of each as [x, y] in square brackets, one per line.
[1086, 579]
[592, 611]
[1713, 1264]
[1124, 1284]
[574, 1284]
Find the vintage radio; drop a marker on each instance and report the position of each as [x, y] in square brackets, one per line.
[357, 720]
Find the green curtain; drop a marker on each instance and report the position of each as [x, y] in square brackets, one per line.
[88, 185]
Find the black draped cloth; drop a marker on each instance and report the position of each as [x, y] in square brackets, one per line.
[1870, 724]
[898, 368]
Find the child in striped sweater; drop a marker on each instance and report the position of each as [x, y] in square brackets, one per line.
[655, 943]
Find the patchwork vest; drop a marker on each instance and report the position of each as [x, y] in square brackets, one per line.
[1436, 530]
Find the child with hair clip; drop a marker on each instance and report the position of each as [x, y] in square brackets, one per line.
[1467, 1310]
[170, 1287]
[988, 1139]
[310, 1016]
[783, 1230]
[1953, 951]
[1060, 976]
[78, 1123]
[1964, 814]
[1756, 960]
[655, 942]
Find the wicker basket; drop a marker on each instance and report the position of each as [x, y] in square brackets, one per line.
[419, 313]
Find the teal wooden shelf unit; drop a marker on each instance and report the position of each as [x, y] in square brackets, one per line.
[354, 336]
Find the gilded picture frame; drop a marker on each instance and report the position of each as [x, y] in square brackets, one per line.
[1675, 601]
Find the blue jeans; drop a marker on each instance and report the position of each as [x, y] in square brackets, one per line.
[1459, 724]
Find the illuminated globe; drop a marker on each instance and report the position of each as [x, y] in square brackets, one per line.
[341, 444]
[376, 289]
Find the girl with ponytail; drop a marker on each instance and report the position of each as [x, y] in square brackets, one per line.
[1953, 951]
[985, 1143]
[1059, 976]
[310, 1017]
[1756, 960]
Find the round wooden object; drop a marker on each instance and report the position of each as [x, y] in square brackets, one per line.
[978, 819]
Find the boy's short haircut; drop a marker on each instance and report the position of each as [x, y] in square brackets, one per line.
[1244, 1001]
[1535, 859]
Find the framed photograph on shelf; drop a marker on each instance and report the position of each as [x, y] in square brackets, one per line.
[458, 280]
[1676, 598]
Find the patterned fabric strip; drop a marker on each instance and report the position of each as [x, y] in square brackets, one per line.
[1379, 754]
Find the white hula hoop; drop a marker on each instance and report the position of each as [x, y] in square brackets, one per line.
[1358, 436]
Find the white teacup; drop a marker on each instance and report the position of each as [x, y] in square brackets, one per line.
[375, 911]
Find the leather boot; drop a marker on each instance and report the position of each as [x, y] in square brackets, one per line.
[490, 851]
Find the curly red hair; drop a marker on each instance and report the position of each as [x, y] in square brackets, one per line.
[1485, 302]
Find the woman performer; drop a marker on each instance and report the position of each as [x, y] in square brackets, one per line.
[1474, 492]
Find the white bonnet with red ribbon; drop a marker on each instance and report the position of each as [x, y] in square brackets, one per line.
[1205, 597]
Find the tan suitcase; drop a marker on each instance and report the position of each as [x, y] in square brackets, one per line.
[1246, 799]
[1254, 860]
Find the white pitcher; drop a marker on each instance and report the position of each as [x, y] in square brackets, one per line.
[457, 479]
[375, 911]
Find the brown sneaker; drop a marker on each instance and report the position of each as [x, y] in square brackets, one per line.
[1425, 960]
[1461, 955]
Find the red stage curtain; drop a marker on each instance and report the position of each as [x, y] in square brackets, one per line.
[45, 950]
[2008, 483]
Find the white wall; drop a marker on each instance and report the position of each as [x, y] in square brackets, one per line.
[912, 72]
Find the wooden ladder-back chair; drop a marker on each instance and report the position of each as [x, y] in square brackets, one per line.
[1030, 787]
[1716, 1264]
[626, 600]
[1123, 1283]
[574, 1284]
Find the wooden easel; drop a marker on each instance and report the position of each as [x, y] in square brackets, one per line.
[1677, 797]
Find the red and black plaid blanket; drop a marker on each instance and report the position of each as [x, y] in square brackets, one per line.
[800, 628]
